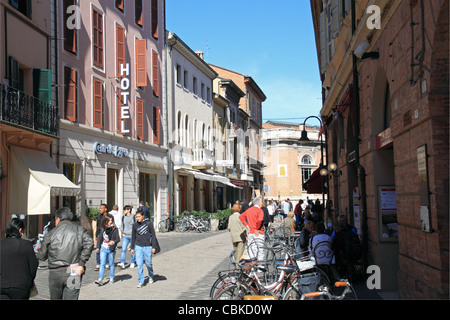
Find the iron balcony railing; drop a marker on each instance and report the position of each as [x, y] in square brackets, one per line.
[21, 109]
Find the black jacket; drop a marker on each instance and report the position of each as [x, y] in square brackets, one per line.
[18, 264]
[66, 244]
[143, 234]
[113, 235]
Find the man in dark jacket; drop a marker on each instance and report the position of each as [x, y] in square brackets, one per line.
[67, 247]
[143, 242]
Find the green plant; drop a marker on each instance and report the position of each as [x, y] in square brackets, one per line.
[92, 213]
[222, 216]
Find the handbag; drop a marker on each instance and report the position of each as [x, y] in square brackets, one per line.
[157, 247]
[33, 292]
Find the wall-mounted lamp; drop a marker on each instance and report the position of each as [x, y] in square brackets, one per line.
[361, 53]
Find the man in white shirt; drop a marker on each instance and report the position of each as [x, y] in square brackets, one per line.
[117, 218]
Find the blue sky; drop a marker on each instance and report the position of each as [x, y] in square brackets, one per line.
[271, 41]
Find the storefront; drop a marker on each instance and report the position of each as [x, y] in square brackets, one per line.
[112, 170]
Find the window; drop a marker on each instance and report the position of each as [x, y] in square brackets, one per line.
[306, 160]
[282, 170]
[186, 79]
[155, 72]
[97, 37]
[140, 119]
[120, 48]
[306, 174]
[70, 34]
[98, 104]
[202, 91]
[70, 94]
[155, 19]
[178, 74]
[194, 85]
[139, 14]
[156, 125]
[141, 62]
[148, 191]
[208, 95]
[24, 6]
[120, 5]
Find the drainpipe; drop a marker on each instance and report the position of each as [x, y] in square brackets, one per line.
[362, 171]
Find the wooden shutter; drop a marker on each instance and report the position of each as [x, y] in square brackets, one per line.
[42, 84]
[155, 19]
[155, 72]
[156, 125]
[141, 62]
[98, 104]
[97, 35]
[70, 94]
[140, 119]
[70, 35]
[139, 12]
[120, 47]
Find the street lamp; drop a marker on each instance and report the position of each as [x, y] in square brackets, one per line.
[304, 138]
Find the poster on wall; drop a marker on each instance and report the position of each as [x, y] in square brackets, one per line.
[388, 212]
[356, 209]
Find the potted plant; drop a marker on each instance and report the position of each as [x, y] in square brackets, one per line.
[215, 221]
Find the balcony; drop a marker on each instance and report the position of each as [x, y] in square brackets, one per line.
[20, 109]
[202, 159]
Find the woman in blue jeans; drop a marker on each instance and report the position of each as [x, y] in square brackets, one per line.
[128, 219]
[143, 241]
[107, 241]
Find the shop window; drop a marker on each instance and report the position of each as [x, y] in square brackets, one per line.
[148, 192]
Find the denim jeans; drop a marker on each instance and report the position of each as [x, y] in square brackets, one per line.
[126, 240]
[144, 254]
[106, 256]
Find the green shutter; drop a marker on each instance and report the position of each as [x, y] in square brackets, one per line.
[42, 84]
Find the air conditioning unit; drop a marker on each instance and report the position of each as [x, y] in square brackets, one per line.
[351, 157]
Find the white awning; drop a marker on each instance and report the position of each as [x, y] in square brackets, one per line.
[34, 178]
[210, 177]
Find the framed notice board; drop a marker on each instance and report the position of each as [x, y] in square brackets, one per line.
[387, 208]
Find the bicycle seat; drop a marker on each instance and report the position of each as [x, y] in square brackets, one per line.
[287, 269]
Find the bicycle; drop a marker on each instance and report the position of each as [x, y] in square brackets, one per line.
[326, 292]
[190, 223]
[166, 225]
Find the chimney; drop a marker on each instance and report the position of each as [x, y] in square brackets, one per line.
[199, 53]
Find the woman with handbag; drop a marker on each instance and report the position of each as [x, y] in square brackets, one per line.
[18, 263]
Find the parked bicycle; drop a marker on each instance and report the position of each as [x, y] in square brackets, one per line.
[328, 294]
[166, 225]
[191, 223]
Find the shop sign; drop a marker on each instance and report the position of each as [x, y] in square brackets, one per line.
[100, 148]
[124, 86]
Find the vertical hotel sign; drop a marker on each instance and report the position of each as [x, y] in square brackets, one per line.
[124, 87]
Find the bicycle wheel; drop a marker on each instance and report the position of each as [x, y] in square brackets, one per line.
[291, 294]
[233, 292]
[162, 226]
[183, 226]
[222, 281]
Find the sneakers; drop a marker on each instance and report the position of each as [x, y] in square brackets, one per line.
[111, 280]
[132, 265]
[122, 265]
[150, 280]
[140, 285]
[102, 282]
[97, 267]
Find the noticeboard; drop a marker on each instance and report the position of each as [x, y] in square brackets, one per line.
[387, 204]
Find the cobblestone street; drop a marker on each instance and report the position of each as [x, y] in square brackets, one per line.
[185, 269]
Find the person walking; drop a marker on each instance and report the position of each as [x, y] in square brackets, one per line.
[237, 232]
[117, 218]
[145, 209]
[103, 212]
[271, 210]
[298, 213]
[128, 219]
[107, 241]
[253, 219]
[18, 263]
[67, 247]
[143, 244]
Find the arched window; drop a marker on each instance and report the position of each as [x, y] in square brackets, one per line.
[306, 160]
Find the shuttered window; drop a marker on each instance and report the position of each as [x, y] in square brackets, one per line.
[140, 119]
[120, 48]
[42, 84]
[70, 34]
[97, 38]
[70, 94]
[98, 104]
[155, 19]
[139, 16]
[141, 62]
[155, 73]
[156, 125]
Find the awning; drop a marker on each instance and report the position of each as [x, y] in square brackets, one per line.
[210, 177]
[314, 183]
[34, 178]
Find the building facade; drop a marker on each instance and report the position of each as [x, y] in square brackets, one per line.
[384, 70]
[109, 77]
[289, 164]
